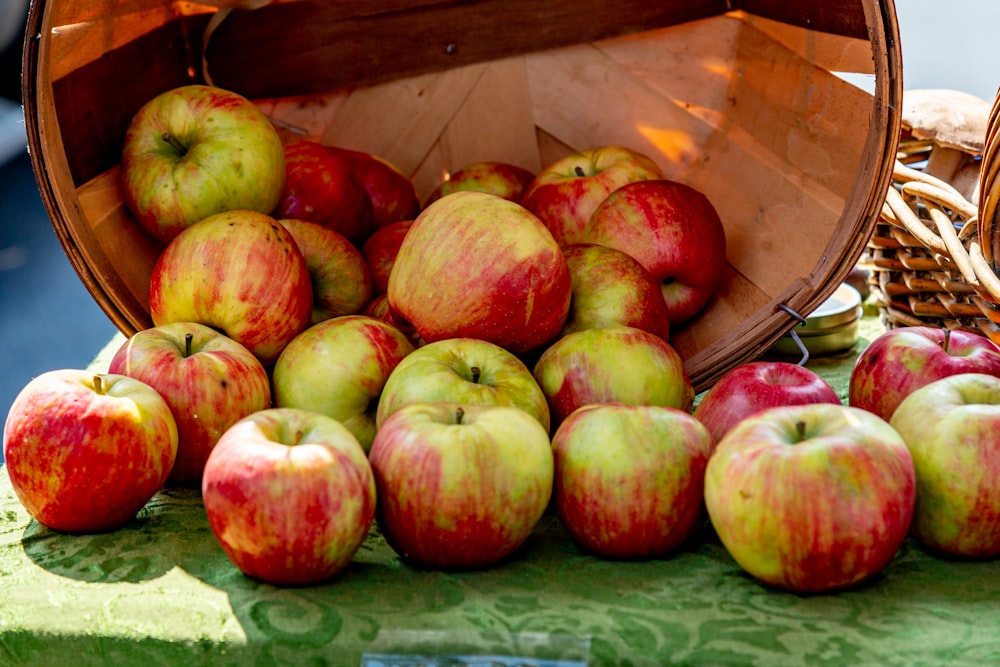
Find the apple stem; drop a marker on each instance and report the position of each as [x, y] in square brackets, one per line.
[99, 384]
[578, 170]
[174, 143]
[947, 339]
[459, 414]
[800, 429]
[475, 374]
[188, 338]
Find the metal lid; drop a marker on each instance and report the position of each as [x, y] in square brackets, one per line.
[831, 328]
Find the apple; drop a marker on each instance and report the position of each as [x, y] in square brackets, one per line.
[194, 151]
[475, 265]
[629, 480]
[392, 193]
[900, 361]
[209, 381]
[952, 429]
[811, 498]
[612, 365]
[380, 251]
[671, 229]
[339, 368]
[321, 186]
[379, 308]
[460, 486]
[289, 495]
[755, 386]
[565, 193]
[86, 451]
[499, 178]
[469, 371]
[610, 288]
[240, 272]
[341, 281]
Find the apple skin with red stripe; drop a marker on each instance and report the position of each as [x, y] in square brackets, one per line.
[674, 231]
[460, 487]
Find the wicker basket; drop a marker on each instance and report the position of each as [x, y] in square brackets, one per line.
[933, 255]
[743, 100]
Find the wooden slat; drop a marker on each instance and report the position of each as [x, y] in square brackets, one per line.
[310, 46]
[838, 17]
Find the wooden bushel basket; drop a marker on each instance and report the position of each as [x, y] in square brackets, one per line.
[741, 99]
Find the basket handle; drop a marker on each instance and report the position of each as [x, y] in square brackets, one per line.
[989, 188]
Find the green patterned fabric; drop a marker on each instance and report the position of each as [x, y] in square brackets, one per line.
[161, 592]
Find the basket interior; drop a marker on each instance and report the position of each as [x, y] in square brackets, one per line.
[746, 105]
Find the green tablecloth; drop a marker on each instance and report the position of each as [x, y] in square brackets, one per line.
[161, 592]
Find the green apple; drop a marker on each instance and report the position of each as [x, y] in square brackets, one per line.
[612, 365]
[469, 371]
[195, 151]
[339, 368]
[341, 281]
[952, 428]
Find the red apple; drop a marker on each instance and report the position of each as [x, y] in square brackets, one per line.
[629, 480]
[209, 381]
[901, 360]
[499, 178]
[339, 368]
[811, 498]
[321, 186]
[460, 486]
[612, 289]
[671, 229]
[952, 428]
[475, 265]
[613, 365]
[565, 193]
[341, 281]
[380, 251]
[752, 387]
[86, 451]
[195, 151]
[462, 370]
[240, 272]
[380, 310]
[391, 191]
[289, 495]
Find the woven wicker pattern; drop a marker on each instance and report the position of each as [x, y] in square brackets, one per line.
[930, 256]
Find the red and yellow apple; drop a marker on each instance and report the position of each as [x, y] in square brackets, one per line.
[475, 265]
[86, 451]
[208, 379]
[460, 486]
[499, 178]
[565, 193]
[629, 479]
[610, 288]
[811, 498]
[671, 229]
[240, 272]
[289, 495]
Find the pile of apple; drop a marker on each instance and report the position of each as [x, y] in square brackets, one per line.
[329, 352]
